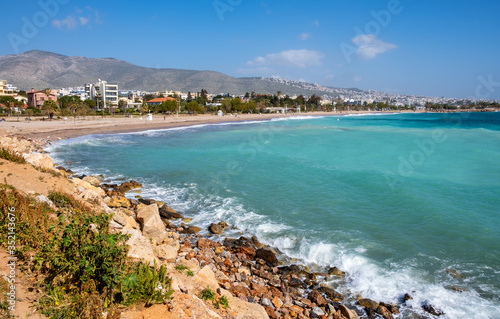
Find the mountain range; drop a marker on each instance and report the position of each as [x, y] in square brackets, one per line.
[41, 69]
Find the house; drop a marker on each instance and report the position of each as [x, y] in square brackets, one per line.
[37, 98]
[160, 100]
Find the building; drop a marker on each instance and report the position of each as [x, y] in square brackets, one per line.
[74, 91]
[37, 98]
[105, 95]
[159, 100]
[7, 89]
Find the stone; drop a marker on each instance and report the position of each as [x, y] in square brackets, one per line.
[393, 309]
[140, 247]
[193, 229]
[223, 225]
[206, 277]
[247, 250]
[270, 312]
[316, 312]
[151, 223]
[334, 271]
[267, 255]
[256, 242]
[368, 303]
[277, 303]
[317, 298]
[147, 201]
[39, 160]
[125, 187]
[169, 213]
[347, 313]
[215, 229]
[331, 294]
[168, 252]
[384, 312]
[117, 201]
[92, 180]
[430, 309]
[240, 291]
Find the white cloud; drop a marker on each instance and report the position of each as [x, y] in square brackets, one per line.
[69, 22]
[295, 58]
[83, 20]
[304, 36]
[369, 46]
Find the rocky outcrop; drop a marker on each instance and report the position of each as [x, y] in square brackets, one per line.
[151, 223]
[40, 160]
[140, 246]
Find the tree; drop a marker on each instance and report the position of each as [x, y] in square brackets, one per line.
[50, 108]
[22, 93]
[66, 100]
[168, 106]
[90, 103]
[194, 107]
[9, 102]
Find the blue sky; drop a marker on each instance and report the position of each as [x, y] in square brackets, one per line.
[435, 48]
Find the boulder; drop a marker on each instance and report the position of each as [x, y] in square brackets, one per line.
[267, 255]
[368, 303]
[384, 312]
[206, 277]
[125, 187]
[39, 160]
[215, 229]
[117, 201]
[347, 313]
[151, 223]
[169, 213]
[316, 312]
[223, 225]
[331, 294]
[193, 229]
[317, 298]
[334, 271]
[92, 180]
[140, 247]
[168, 252]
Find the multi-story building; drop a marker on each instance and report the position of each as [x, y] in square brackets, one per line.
[37, 98]
[7, 89]
[105, 95]
[74, 91]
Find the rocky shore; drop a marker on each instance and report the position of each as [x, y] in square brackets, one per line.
[250, 275]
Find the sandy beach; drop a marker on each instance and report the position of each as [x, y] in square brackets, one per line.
[69, 128]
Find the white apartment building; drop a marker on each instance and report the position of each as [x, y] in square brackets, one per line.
[106, 95]
[7, 89]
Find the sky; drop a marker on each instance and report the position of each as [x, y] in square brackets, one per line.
[418, 47]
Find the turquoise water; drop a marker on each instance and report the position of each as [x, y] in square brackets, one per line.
[395, 200]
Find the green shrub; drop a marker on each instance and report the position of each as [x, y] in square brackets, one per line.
[11, 156]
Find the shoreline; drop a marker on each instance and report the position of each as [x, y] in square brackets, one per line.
[71, 128]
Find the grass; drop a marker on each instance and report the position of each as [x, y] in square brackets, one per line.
[80, 266]
[208, 295]
[11, 156]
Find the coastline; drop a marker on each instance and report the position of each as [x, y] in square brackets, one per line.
[71, 128]
[301, 273]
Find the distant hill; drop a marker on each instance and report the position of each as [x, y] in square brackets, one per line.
[41, 69]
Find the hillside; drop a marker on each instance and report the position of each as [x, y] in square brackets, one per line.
[41, 69]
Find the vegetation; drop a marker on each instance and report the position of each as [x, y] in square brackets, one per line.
[11, 156]
[208, 295]
[80, 266]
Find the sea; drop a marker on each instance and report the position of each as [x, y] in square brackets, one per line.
[403, 203]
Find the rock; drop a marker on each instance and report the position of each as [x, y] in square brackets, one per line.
[316, 312]
[270, 312]
[268, 256]
[223, 225]
[347, 313]
[240, 291]
[277, 303]
[169, 213]
[206, 277]
[115, 202]
[151, 223]
[317, 298]
[256, 242]
[125, 187]
[384, 312]
[430, 309]
[92, 180]
[193, 229]
[407, 297]
[334, 271]
[393, 309]
[39, 160]
[247, 250]
[215, 229]
[453, 273]
[168, 252]
[147, 201]
[266, 302]
[44, 199]
[140, 247]
[368, 303]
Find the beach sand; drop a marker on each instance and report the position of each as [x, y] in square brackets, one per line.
[63, 129]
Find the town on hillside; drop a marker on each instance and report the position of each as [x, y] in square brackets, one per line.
[103, 98]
